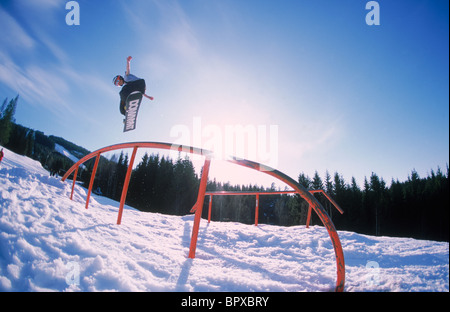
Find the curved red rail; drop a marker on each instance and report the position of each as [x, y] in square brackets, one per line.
[313, 203]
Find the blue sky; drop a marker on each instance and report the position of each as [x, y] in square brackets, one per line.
[344, 96]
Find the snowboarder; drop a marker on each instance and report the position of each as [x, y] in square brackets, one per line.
[129, 83]
[1, 155]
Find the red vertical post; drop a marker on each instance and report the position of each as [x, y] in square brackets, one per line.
[308, 219]
[209, 208]
[125, 185]
[199, 205]
[91, 183]
[257, 210]
[73, 183]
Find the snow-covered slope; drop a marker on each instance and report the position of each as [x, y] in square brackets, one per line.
[63, 151]
[48, 242]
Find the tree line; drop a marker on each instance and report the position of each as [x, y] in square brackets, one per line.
[418, 207]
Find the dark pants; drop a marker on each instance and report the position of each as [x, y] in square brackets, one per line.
[138, 85]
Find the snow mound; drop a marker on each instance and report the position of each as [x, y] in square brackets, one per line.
[50, 243]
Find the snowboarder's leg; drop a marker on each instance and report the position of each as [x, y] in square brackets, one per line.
[122, 107]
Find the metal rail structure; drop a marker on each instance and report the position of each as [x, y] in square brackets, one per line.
[198, 206]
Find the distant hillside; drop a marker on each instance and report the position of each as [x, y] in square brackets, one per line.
[74, 149]
[37, 145]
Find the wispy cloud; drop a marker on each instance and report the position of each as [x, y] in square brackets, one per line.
[42, 84]
[41, 4]
[52, 46]
[175, 38]
[180, 36]
[36, 85]
[306, 139]
[13, 35]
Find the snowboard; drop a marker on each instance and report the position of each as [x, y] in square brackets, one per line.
[131, 110]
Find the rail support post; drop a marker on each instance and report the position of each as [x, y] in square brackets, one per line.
[91, 183]
[308, 219]
[209, 208]
[73, 183]
[199, 207]
[125, 185]
[257, 210]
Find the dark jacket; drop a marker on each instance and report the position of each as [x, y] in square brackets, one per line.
[137, 85]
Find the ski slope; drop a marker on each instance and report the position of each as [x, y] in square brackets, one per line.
[50, 243]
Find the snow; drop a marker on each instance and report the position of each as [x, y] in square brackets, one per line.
[50, 243]
[65, 152]
[60, 149]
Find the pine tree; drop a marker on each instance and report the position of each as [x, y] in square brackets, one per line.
[328, 184]
[304, 180]
[7, 120]
[354, 206]
[3, 108]
[364, 224]
[317, 183]
[339, 186]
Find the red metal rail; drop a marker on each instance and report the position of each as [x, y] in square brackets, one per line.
[297, 188]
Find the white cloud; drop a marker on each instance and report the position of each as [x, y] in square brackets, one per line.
[41, 5]
[175, 35]
[36, 85]
[308, 139]
[39, 83]
[52, 46]
[13, 35]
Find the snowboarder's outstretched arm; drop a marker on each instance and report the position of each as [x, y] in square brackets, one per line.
[128, 65]
[128, 72]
